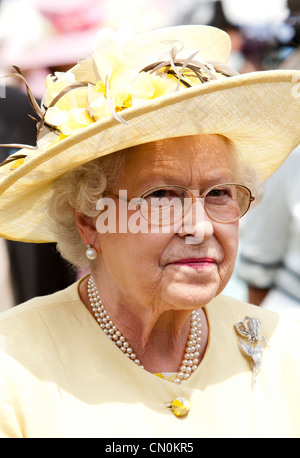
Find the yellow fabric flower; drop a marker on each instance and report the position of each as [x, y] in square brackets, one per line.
[118, 88]
[112, 88]
[68, 121]
[149, 86]
[122, 101]
[100, 88]
[57, 83]
[77, 119]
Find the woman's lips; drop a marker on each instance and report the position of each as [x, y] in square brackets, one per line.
[196, 263]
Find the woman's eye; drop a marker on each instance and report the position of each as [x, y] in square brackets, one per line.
[165, 194]
[219, 193]
[158, 194]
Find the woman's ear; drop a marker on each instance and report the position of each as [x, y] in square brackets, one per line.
[87, 230]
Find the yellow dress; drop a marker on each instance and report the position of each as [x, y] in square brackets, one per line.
[61, 377]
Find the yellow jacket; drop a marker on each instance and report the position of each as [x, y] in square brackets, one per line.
[61, 377]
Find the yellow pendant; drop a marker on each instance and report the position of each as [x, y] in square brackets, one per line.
[180, 407]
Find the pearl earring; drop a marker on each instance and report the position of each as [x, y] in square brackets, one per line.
[91, 253]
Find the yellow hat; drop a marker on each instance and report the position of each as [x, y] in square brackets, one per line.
[166, 83]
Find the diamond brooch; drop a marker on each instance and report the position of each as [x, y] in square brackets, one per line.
[252, 345]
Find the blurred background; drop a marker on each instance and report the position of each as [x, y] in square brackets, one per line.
[43, 36]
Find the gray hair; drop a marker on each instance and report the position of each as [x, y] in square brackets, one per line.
[80, 189]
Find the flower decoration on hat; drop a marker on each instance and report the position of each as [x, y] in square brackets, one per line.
[105, 84]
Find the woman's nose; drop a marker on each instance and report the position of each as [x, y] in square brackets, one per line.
[196, 223]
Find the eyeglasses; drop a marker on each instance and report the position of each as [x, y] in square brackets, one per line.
[223, 203]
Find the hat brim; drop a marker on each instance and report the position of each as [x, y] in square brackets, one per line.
[258, 112]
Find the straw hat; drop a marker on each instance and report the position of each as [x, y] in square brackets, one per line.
[104, 104]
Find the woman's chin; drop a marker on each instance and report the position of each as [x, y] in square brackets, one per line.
[191, 296]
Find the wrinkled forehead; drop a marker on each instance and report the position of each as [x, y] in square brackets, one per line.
[182, 160]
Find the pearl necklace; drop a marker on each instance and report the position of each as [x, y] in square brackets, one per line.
[190, 360]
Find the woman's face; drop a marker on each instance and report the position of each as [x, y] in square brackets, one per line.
[168, 270]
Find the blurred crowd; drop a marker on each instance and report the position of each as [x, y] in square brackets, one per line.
[41, 37]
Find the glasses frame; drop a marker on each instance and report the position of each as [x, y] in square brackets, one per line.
[138, 200]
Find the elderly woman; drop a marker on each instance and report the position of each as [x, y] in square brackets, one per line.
[145, 345]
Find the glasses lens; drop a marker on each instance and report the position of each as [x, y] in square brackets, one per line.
[164, 205]
[226, 203]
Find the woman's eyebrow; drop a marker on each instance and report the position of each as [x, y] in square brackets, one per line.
[160, 179]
